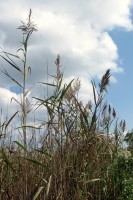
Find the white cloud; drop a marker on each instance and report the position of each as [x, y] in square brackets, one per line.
[6, 96]
[77, 30]
[108, 14]
[7, 105]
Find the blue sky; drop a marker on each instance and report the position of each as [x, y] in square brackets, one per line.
[90, 36]
[121, 94]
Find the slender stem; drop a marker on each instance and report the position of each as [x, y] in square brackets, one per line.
[24, 110]
[24, 85]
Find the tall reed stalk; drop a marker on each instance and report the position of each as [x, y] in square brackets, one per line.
[27, 30]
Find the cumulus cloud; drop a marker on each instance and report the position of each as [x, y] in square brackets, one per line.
[7, 105]
[77, 30]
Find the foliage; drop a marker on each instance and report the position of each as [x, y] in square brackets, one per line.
[129, 140]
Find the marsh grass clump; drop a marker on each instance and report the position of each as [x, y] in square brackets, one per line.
[77, 157]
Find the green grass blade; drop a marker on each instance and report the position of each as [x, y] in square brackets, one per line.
[42, 100]
[35, 162]
[10, 119]
[10, 54]
[43, 151]
[64, 91]
[26, 92]
[20, 145]
[6, 73]
[12, 64]
[50, 84]
[7, 161]
[59, 84]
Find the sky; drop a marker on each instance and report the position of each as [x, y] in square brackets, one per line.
[90, 36]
